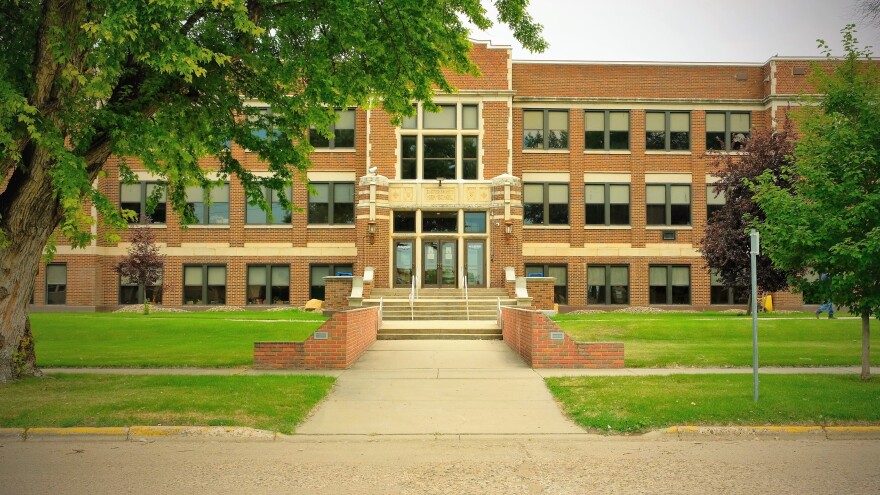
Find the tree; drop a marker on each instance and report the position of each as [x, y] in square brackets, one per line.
[143, 265]
[167, 82]
[726, 245]
[829, 220]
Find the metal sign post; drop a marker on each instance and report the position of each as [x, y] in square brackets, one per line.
[755, 251]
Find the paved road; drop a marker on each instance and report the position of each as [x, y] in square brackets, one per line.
[471, 465]
[438, 386]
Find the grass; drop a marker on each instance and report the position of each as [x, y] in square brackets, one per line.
[634, 404]
[716, 339]
[276, 403]
[162, 339]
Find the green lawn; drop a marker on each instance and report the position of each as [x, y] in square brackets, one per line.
[276, 403]
[715, 339]
[632, 404]
[162, 339]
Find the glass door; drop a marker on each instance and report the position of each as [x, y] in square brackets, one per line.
[404, 263]
[439, 263]
[475, 263]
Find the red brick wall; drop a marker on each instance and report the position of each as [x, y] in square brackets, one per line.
[336, 293]
[541, 291]
[350, 333]
[529, 334]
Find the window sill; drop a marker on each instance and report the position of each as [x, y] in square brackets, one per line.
[607, 227]
[546, 227]
[269, 226]
[148, 225]
[608, 152]
[669, 227]
[334, 150]
[209, 226]
[722, 153]
[320, 227]
[551, 152]
[670, 152]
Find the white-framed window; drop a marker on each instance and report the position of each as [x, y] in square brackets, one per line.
[138, 197]
[441, 145]
[343, 132]
[606, 130]
[545, 203]
[545, 129]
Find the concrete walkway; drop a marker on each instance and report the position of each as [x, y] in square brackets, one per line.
[438, 387]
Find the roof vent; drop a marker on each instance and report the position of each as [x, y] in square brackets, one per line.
[740, 76]
[798, 71]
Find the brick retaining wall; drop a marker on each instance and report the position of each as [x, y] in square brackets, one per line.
[349, 334]
[528, 333]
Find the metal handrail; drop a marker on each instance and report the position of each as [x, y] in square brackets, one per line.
[381, 303]
[499, 308]
[412, 297]
[467, 304]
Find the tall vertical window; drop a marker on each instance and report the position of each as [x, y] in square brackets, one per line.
[317, 274]
[669, 284]
[668, 131]
[606, 130]
[545, 129]
[559, 273]
[146, 199]
[727, 131]
[446, 146]
[268, 284]
[56, 283]
[342, 131]
[668, 204]
[133, 293]
[714, 201]
[254, 215]
[606, 204]
[209, 207]
[204, 284]
[332, 203]
[722, 294]
[607, 284]
[545, 204]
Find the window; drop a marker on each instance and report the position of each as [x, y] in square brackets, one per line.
[474, 222]
[209, 207]
[443, 155]
[669, 284]
[558, 272]
[204, 284]
[545, 204]
[138, 198]
[254, 215]
[404, 221]
[342, 130]
[332, 203]
[721, 294]
[714, 202]
[132, 293]
[545, 129]
[56, 283]
[668, 204]
[268, 284]
[727, 131]
[317, 274]
[262, 115]
[606, 130]
[668, 131]
[439, 222]
[608, 284]
[606, 204]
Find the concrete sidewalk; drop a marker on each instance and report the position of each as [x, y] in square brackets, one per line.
[438, 387]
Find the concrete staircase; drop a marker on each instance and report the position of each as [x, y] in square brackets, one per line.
[439, 313]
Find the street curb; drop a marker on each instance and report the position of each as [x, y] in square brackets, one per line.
[247, 434]
[815, 432]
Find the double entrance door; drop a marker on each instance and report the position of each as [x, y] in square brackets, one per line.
[439, 263]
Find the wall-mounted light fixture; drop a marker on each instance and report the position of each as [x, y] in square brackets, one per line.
[508, 227]
[371, 227]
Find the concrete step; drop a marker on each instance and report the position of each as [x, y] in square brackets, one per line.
[439, 330]
[448, 336]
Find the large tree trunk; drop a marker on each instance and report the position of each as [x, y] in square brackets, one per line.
[28, 216]
[866, 346]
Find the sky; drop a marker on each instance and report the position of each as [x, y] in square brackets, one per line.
[687, 30]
